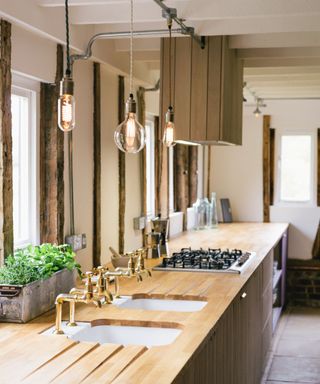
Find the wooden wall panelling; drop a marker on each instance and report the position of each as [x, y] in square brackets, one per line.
[6, 204]
[266, 167]
[96, 243]
[199, 76]
[182, 87]
[214, 87]
[121, 168]
[318, 170]
[237, 100]
[51, 161]
[227, 92]
[164, 103]
[181, 180]
[193, 174]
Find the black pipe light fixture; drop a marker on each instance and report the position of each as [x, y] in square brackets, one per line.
[66, 102]
[169, 129]
[130, 134]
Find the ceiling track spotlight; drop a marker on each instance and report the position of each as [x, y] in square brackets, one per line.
[257, 112]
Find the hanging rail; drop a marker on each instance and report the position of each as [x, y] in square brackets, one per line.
[109, 35]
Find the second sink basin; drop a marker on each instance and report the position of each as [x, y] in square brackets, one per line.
[148, 336]
[156, 304]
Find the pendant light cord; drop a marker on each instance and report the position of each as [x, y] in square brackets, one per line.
[131, 46]
[68, 70]
[170, 85]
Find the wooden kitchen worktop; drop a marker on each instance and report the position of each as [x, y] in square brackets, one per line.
[26, 356]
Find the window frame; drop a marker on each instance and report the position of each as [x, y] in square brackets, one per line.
[277, 171]
[29, 88]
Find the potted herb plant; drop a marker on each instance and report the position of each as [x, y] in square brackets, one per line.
[31, 279]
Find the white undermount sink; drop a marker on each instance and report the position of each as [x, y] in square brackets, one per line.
[154, 304]
[119, 334]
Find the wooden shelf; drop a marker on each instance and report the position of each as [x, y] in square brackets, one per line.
[276, 278]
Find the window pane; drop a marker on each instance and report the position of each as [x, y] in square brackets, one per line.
[21, 171]
[295, 169]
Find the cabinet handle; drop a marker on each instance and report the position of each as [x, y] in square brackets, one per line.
[244, 295]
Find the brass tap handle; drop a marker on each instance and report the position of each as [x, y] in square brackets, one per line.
[89, 285]
[131, 263]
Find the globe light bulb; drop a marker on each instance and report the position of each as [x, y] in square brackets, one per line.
[66, 105]
[130, 134]
[169, 129]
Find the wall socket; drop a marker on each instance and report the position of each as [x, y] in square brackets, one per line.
[77, 242]
[139, 223]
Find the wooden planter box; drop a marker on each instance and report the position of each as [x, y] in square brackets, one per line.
[21, 303]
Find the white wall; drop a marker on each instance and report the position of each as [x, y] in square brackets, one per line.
[237, 173]
[82, 162]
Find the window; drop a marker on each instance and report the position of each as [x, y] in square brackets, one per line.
[150, 167]
[24, 167]
[296, 167]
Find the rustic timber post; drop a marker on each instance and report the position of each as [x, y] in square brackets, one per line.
[51, 161]
[157, 146]
[122, 169]
[96, 243]
[6, 194]
[193, 174]
[143, 165]
[318, 168]
[266, 168]
[181, 180]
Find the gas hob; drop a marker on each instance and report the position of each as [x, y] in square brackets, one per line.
[210, 260]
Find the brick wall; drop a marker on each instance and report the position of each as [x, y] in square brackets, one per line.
[303, 283]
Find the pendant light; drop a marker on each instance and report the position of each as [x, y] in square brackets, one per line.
[257, 111]
[130, 134]
[66, 103]
[169, 129]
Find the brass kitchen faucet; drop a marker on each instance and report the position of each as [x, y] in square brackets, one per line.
[101, 293]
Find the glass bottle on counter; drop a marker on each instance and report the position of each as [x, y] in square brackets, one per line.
[213, 211]
[201, 213]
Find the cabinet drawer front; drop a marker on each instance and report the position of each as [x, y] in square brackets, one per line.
[267, 269]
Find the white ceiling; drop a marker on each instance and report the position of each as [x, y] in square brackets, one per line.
[279, 40]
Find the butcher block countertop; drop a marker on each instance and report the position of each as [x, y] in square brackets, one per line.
[29, 357]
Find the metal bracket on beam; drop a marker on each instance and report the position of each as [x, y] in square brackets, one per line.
[171, 14]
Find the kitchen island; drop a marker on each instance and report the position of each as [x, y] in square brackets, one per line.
[225, 342]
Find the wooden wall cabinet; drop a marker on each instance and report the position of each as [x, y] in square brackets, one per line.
[207, 88]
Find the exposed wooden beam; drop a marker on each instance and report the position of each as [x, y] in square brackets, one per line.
[121, 168]
[51, 161]
[266, 168]
[96, 243]
[6, 191]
